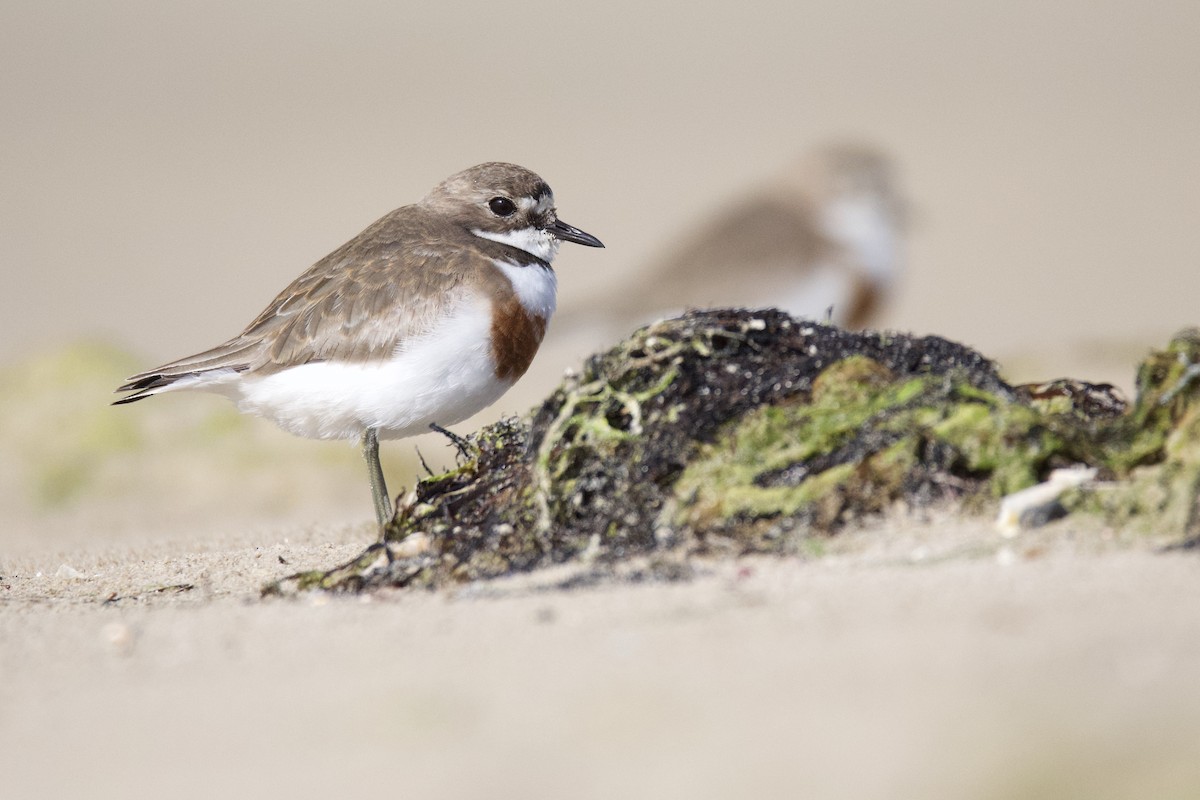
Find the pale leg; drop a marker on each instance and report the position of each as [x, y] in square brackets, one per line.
[379, 492]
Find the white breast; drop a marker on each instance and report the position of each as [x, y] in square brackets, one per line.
[442, 377]
[869, 231]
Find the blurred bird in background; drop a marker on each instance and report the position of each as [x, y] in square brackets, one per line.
[821, 241]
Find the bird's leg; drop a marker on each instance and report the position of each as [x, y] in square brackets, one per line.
[464, 449]
[379, 492]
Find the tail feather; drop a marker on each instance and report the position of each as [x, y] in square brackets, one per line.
[155, 383]
[234, 356]
[140, 395]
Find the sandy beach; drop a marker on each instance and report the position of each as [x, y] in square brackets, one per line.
[939, 664]
[168, 169]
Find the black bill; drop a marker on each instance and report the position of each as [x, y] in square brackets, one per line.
[568, 233]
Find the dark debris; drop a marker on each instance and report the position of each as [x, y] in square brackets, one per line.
[592, 476]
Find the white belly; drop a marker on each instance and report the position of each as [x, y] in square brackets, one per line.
[443, 377]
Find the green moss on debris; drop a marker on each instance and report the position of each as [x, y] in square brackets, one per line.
[737, 430]
[1156, 448]
[875, 439]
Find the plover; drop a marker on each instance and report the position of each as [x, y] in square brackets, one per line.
[423, 319]
[826, 234]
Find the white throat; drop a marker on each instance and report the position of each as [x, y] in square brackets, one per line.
[535, 241]
[868, 229]
[535, 285]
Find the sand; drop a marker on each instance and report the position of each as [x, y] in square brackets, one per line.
[919, 657]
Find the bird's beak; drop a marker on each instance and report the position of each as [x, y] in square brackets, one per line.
[568, 233]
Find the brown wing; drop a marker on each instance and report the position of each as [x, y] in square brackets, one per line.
[712, 263]
[757, 229]
[359, 303]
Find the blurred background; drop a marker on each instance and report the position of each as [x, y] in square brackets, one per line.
[167, 168]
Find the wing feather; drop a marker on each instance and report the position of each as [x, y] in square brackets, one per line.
[360, 303]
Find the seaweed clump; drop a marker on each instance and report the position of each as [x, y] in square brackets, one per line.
[741, 431]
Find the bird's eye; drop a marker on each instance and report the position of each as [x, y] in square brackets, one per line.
[502, 206]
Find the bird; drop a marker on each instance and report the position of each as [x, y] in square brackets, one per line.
[423, 319]
[821, 240]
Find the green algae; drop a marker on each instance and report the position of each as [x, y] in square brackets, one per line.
[860, 448]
